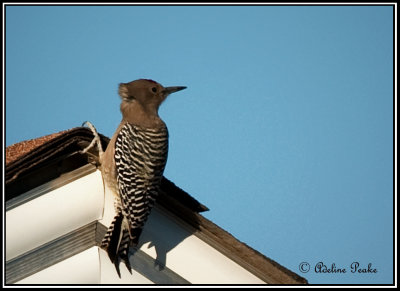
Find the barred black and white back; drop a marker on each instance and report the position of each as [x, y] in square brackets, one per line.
[140, 158]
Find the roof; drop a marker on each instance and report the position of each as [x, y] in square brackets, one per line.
[27, 160]
[22, 159]
[17, 150]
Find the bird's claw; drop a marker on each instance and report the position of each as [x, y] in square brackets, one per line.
[96, 139]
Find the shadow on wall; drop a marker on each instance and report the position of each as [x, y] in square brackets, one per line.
[161, 234]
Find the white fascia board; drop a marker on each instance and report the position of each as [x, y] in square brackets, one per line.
[172, 243]
[91, 266]
[110, 276]
[83, 268]
[54, 214]
[166, 238]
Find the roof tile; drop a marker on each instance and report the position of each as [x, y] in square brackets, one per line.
[18, 150]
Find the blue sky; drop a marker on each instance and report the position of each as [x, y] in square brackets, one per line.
[285, 130]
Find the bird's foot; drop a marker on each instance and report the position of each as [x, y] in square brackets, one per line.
[96, 139]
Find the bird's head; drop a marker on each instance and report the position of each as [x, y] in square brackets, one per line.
[146, 93]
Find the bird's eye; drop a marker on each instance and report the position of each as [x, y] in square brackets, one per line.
[154, 89]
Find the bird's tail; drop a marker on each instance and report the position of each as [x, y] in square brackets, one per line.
[119, 239]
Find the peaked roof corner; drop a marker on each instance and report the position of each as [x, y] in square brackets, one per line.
[34, 162]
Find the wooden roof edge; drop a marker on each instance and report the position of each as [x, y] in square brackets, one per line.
[260, 265]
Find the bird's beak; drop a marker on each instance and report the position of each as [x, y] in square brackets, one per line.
[169, 90]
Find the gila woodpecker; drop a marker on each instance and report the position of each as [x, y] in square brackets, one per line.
[133, 163]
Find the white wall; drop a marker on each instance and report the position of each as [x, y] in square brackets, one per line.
[54, 214]
[189, 256]
[168, 240]
[83, 268]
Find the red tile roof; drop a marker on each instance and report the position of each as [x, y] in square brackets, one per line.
[17, 150]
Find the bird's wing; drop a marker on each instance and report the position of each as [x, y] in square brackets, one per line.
[140, 158]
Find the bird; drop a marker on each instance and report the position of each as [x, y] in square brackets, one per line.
[133, 163]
